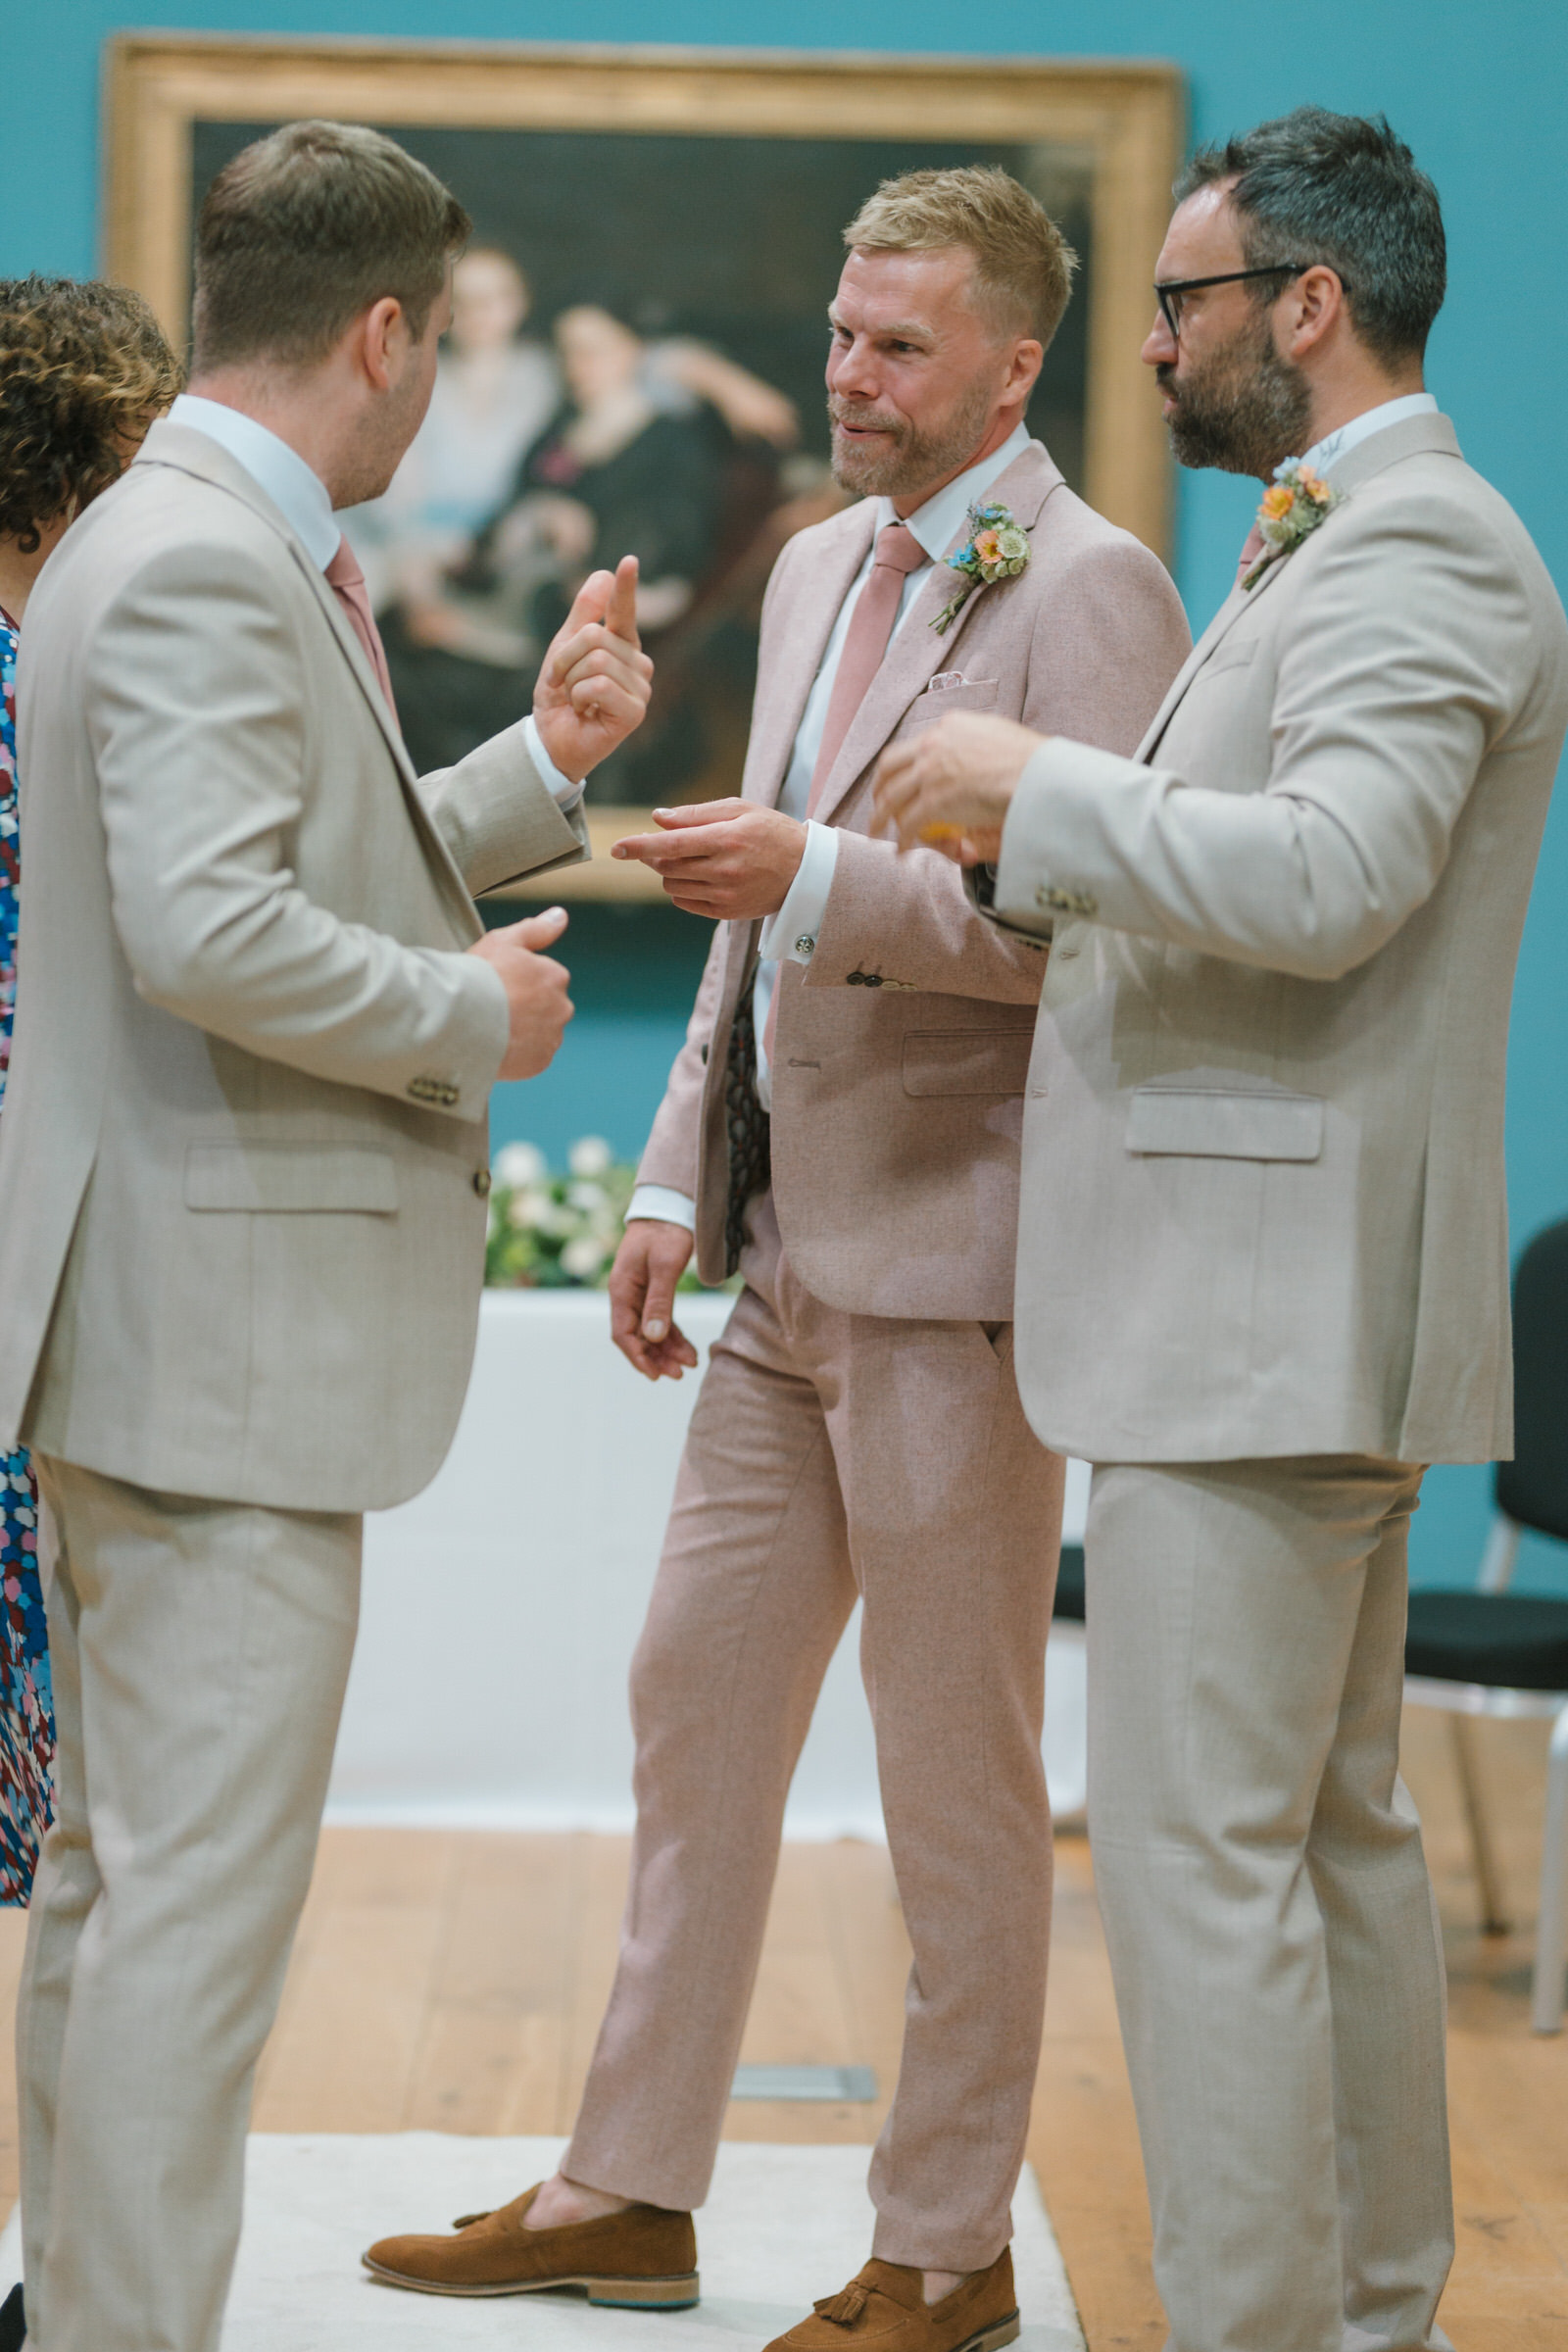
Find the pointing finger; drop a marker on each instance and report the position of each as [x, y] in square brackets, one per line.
[621, 616]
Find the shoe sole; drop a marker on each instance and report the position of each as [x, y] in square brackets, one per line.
[991, 2339]
[675, 2294]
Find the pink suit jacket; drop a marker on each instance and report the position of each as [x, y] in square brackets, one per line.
[902, 1050]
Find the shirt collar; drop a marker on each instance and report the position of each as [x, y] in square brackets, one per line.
[936, 523]
[294, 488]
[1333, 446]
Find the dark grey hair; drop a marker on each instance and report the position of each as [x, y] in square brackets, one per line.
[1340, 189]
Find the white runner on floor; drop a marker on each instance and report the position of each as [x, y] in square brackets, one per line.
[782, 2226]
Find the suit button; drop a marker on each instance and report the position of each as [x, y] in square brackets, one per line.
[481, 1181]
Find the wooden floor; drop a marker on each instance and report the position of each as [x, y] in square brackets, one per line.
[455, 1981]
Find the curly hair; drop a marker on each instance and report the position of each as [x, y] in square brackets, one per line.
[83, 369]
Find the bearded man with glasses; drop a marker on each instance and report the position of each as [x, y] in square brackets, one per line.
[1263, 1158]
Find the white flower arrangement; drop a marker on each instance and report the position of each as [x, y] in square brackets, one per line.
[557, 1232]
[550, 1232]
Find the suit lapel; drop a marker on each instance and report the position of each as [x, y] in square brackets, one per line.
[803, 634]
[189, 451]
[1414, 437]
[917, 651]
[1240, 600]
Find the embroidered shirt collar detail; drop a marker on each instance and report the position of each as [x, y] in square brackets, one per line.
[1335, 445]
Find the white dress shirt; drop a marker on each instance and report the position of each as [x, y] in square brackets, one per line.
[790, 934]
[300, 496]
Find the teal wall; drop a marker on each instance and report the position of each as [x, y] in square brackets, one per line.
[1480, 91]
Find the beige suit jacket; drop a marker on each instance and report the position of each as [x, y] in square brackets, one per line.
[244, 1151]
[1263, 1162]
[900, 1049]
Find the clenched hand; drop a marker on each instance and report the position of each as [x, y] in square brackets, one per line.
[538, 1006]
[949, 787]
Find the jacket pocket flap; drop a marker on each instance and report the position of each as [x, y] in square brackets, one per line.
[966, 1062]
[1201, 1123]
[281, 1176]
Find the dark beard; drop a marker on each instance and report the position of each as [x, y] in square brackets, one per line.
[1243, 411]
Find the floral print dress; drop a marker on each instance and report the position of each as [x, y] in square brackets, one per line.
[27, 1712]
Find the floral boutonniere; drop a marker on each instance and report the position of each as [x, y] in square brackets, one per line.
[1290, 512]
[995, 549]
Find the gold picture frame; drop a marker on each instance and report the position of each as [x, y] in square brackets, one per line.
[1123, 119]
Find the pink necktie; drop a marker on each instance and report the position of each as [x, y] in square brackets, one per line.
[347, 583]
[1251, 550]
[865, 643]
[871, 632]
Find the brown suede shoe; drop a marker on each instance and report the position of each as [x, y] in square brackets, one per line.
[885, 2310]
[641, 2259]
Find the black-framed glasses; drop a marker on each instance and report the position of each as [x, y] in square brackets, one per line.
[1170, 294]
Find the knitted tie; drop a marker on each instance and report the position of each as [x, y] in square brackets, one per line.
[871, 632]
[347, 583]
[1252, 548]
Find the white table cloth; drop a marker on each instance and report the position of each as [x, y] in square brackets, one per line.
[501, 1606]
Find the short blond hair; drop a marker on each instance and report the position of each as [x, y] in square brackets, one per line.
[1023, 263]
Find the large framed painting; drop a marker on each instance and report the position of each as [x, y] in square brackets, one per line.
[638, 330]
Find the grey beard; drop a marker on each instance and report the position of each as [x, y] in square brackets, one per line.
[1248, 415]
[918, 458]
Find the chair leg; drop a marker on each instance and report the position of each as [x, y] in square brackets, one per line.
[1502, 1553]
[1551, 1935]
[1493, 1922]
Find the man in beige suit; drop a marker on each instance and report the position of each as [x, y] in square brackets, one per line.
[242, 1180]
[1263, 1274]
[862, 1397]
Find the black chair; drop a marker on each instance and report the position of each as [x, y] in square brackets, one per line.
[1501, 1653]
[1066, 1762]
[1068, 1606]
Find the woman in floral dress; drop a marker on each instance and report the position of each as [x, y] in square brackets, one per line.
[27, 1723]
[83, 371]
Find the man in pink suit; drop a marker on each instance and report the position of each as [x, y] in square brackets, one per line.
[843, 1127]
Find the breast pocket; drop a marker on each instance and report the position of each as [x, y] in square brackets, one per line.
[1228, 654]
[1201, 1122]
[261, 1178]
[966, 1062]
[975, 694]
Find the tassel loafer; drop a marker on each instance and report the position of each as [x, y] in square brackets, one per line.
[644, 2259]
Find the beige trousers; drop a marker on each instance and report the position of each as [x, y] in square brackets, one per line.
[1271, 1924]
[828, 1455]
[199, 1653]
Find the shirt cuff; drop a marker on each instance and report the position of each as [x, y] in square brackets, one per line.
[661, 1201]
[565, 793]
[791, 934]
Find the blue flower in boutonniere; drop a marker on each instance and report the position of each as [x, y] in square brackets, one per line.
[995, 549]
[1290, 512]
